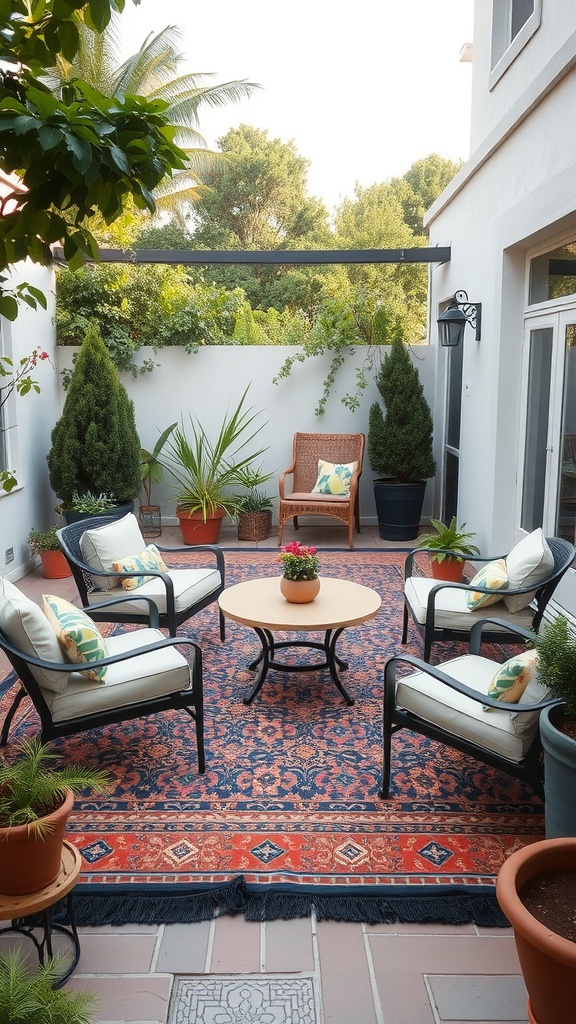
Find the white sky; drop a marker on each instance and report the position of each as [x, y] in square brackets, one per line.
[364, 88]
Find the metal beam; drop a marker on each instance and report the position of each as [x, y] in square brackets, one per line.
[301, 257]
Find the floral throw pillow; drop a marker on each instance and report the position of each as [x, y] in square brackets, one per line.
[493, 576]
[78, 636]
[334, 478]
[512, 678]
[150, 558]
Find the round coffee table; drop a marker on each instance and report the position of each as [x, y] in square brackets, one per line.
[259, 604]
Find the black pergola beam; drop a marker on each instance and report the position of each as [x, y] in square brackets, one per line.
[205, 257]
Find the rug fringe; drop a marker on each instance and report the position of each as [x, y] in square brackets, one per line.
[172, 904]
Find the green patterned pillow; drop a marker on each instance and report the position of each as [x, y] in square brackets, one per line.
[334, 478]
[150, 558]
[78, 636]
[513, 677]
[495, 577]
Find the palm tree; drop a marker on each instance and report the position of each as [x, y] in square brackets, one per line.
[153, 72]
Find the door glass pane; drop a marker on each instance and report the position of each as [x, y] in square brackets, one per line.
[451, 470]
[540, 363]
[553, 274]
[566, 508]
[454, 410]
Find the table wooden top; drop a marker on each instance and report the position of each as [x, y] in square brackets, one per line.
[12, 907]
[259, 603]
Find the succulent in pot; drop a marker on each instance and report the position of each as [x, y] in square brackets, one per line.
[35, 802]
[450, 546]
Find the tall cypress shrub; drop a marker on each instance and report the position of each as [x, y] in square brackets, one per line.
[95, 445]
[400, 442]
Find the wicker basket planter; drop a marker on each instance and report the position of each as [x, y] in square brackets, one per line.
[254, 525]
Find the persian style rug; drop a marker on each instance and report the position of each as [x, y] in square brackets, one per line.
[287, 815]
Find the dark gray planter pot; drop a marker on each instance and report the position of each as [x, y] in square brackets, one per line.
[399, 508]
[559, 774]
[117, 512]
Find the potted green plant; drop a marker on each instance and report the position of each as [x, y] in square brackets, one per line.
[536, 890]
[28, 997]
[95, 446]
[449, 547]
[152, 472]
[556, 646]
[254, 505]
[399, 445]
[207, 472]
[45, 543]
[35, 804]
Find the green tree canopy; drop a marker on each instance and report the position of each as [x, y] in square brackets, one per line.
[421, 185]
[70, 155]
[258, 200]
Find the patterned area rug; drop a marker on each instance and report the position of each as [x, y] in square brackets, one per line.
[287, 814]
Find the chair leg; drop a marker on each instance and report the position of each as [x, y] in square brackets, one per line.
[428, 640]
[387, 707]
[199, 709]
[222, 627]
[9, 717]
[351, 534]
[295, 521]
[405, 624]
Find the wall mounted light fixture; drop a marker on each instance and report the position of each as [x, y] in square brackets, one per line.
[453, 320]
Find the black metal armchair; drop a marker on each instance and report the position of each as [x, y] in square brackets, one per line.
[178, 593]
[446, 703]
[439, 610]
[158, 677]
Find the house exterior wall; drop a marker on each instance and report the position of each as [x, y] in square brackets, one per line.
[515, 192]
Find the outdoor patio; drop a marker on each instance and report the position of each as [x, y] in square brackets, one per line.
[301, 970]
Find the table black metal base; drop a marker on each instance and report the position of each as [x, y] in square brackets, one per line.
[43, 923]
[267, 659]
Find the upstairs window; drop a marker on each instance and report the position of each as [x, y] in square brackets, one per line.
[513, 24]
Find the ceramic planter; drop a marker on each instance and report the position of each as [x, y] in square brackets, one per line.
[548, 961]
[559, 774]
[28, 861]
[299, 591]
[196, 530]
[449, 569]
[116, 512]
[399, 508]
[54, 565]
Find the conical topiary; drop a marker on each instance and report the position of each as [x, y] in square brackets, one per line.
[95, 445]
[400, 442]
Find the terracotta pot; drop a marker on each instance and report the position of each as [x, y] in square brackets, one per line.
[449, 569]
[548, 961]
[299, 591]
[54, 565]
[29, 862]
[195, 530]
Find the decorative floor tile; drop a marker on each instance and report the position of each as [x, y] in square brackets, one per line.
[243, 1000]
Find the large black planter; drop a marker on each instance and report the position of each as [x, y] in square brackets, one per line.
[399, 508]
[117, 512]
[559, 774]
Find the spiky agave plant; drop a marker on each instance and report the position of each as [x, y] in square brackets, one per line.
[30, 787]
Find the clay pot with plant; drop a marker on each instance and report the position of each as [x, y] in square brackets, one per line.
[35, 803]
[45, 543]
[449, 547]
[207, 472]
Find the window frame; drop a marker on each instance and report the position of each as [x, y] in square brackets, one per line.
[501, 36]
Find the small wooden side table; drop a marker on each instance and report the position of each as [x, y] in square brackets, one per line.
[26, 913]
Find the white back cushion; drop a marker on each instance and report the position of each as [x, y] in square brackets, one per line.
[529, 562]
[104, 545]
[27, 628]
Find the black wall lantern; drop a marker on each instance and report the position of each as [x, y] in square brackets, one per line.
[452, 321]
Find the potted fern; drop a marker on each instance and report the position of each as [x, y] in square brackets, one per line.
[35, 804]
[449, 546]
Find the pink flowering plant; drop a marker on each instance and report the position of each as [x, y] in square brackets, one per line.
[299, 563]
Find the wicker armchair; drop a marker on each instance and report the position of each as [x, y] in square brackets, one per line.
[301, 501]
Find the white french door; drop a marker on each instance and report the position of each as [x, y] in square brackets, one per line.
[548, 492]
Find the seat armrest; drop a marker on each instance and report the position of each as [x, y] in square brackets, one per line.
[511, 627]
[153, 614]
[412, 555]
[282, 479]
[213, 548]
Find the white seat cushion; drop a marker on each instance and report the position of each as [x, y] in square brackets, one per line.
[461, 716]
[25, 626]
[104, 545]
[133, 681]
[190, 586]
[451, 610]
